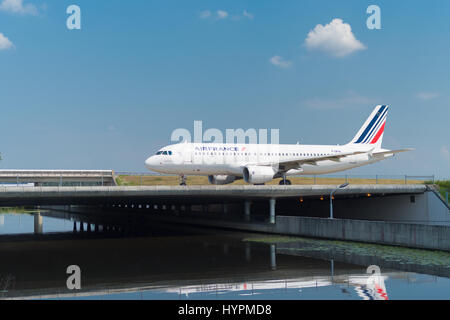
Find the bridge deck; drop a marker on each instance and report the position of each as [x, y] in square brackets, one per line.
[110, 194]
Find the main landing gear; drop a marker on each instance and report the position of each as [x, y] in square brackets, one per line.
[285, 182]
[182, 180]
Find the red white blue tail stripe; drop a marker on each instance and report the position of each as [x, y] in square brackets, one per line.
[373, 129]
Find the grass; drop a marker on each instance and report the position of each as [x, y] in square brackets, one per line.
[132, 180]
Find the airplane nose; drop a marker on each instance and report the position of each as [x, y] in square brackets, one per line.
[150, 163]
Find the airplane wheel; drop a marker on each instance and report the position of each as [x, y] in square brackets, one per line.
[182, 180]
[285, 182]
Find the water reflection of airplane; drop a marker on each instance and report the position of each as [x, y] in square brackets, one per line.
[373, 288]
[368, 287]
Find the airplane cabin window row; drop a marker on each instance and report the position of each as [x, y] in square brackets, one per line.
[265, 154]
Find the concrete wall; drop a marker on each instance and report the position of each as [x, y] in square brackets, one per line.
[423, 208]
[388, 233]
[392, 233]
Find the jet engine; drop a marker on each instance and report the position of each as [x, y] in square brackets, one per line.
[258, 174]
[221, 179]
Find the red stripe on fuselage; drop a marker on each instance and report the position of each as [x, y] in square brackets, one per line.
[375, 139]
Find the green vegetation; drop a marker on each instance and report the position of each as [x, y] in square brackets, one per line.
[15, 210]
[387, 253]
[443, 186]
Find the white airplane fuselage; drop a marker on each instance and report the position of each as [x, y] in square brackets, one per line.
[231, 159]
[260, 163]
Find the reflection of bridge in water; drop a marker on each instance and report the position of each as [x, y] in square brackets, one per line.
[179, 261]
[179, 265]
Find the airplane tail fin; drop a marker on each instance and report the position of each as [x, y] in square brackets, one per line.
[371, 133]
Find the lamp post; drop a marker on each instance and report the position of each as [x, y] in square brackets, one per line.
[331, 197]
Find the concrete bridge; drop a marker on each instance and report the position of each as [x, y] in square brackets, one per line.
[414, 203]
[190, 194]
[368, 213]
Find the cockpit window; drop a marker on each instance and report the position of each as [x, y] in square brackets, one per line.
[166, 153]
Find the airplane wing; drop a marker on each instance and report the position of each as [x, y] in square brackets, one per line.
[286, 165]
[391, 151]
[293, 164]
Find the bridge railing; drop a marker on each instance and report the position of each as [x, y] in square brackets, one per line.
[371, 179]
[56, 177]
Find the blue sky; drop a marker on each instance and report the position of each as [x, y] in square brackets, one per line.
[109, 95]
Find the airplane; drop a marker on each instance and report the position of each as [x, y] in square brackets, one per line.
[260, 163]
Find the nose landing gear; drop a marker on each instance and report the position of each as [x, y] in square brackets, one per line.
[182, 180]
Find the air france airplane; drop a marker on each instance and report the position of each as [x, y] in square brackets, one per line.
[260, 163]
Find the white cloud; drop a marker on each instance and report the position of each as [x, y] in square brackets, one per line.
[17, 6]
[248, 15]
[205, 14]
[350, 100]
[335, 38]
[222, 14]
[446, 153]
[427, 95]
[280, 62]
[5, 43]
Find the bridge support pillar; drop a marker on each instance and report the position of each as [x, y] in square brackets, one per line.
[248, 252]
[272, 203]
[247, 210]
[273, 257]
[37, 223]
[81, 226]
